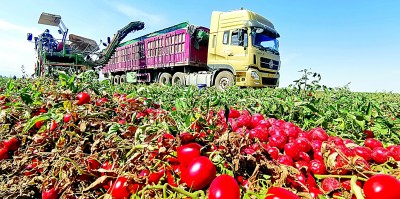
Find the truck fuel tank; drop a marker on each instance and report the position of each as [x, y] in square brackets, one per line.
[202, 77]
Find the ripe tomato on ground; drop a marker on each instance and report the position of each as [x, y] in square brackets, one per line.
[186, 153]
[280, 193]
[11, 144]
[83, 98]
[199, 173]
[382, 186]
[224, 187]
[119, 190]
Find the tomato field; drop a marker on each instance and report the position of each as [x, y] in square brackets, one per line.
[76, 137]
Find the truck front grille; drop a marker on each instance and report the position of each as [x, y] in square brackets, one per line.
[269, 81]
[269, 64]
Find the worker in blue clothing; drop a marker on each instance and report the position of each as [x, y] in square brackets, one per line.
[48, 40]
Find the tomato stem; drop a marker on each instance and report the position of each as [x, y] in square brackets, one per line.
[139, 146]
[80, 171]
[195, 195]
[355, 189]
[338, 176]
[250, 193]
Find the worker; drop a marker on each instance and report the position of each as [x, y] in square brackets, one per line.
[46, 34]
[48, 40]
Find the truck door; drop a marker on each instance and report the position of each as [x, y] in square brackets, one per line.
[236, 52]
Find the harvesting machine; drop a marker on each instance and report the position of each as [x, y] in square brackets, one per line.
[75, 54]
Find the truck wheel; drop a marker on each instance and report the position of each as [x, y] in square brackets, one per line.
[122, 79]
[116, 79]
[165, 78]
[178, 79]
[224, 80]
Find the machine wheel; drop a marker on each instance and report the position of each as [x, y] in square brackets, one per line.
[122, 79]
[178, 79]
[165, 78]
[224, 80]
[116, 79]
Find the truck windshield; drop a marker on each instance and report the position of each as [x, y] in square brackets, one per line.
[265, 42]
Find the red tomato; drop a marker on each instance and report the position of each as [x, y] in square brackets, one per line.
[3, 153]
[380, 155]
[12, 144]
[50, 194]
[277, 141]
[319, 134]
[372, 143]
[368, 134]
[255, 120]
[259, 133]
[272, 151]
[107, 165]
[395, 152]
[224, 187]
[39, 124]
[92, 164]
[363, 152]
[346, 184]
[119, 189]
[303, 144]
[315, 192]
[166, 140]
[285, 159]
[186, 137]
[317, 167]
[330, 184]
[170, 179]
[244, 120]
[292, 150]
[280, 193]
[154, 178]
[382, 186]
[67, 117]
[53, 125]
[186, 153]
[101, 101]
[83, 98]
[233, 113]
[199, 173]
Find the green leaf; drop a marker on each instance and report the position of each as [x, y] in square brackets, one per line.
[112, 131]
[26, 97]
[10, 86]
[34, 120]
[114, 128]
[311, 107]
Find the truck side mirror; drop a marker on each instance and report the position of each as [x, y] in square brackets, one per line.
[59, 31]
[29, 37]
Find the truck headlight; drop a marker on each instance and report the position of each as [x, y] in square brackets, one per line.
[255, 76]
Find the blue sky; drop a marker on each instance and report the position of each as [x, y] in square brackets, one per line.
[345, 41]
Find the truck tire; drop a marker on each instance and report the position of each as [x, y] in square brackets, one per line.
[116, 79]
[111, 78]
[122, 79]
[178, 79]
[165, 78]
[224, 80]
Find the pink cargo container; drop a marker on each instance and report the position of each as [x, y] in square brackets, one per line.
[167, 49]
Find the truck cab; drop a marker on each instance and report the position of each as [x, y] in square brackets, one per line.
[243, 50]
